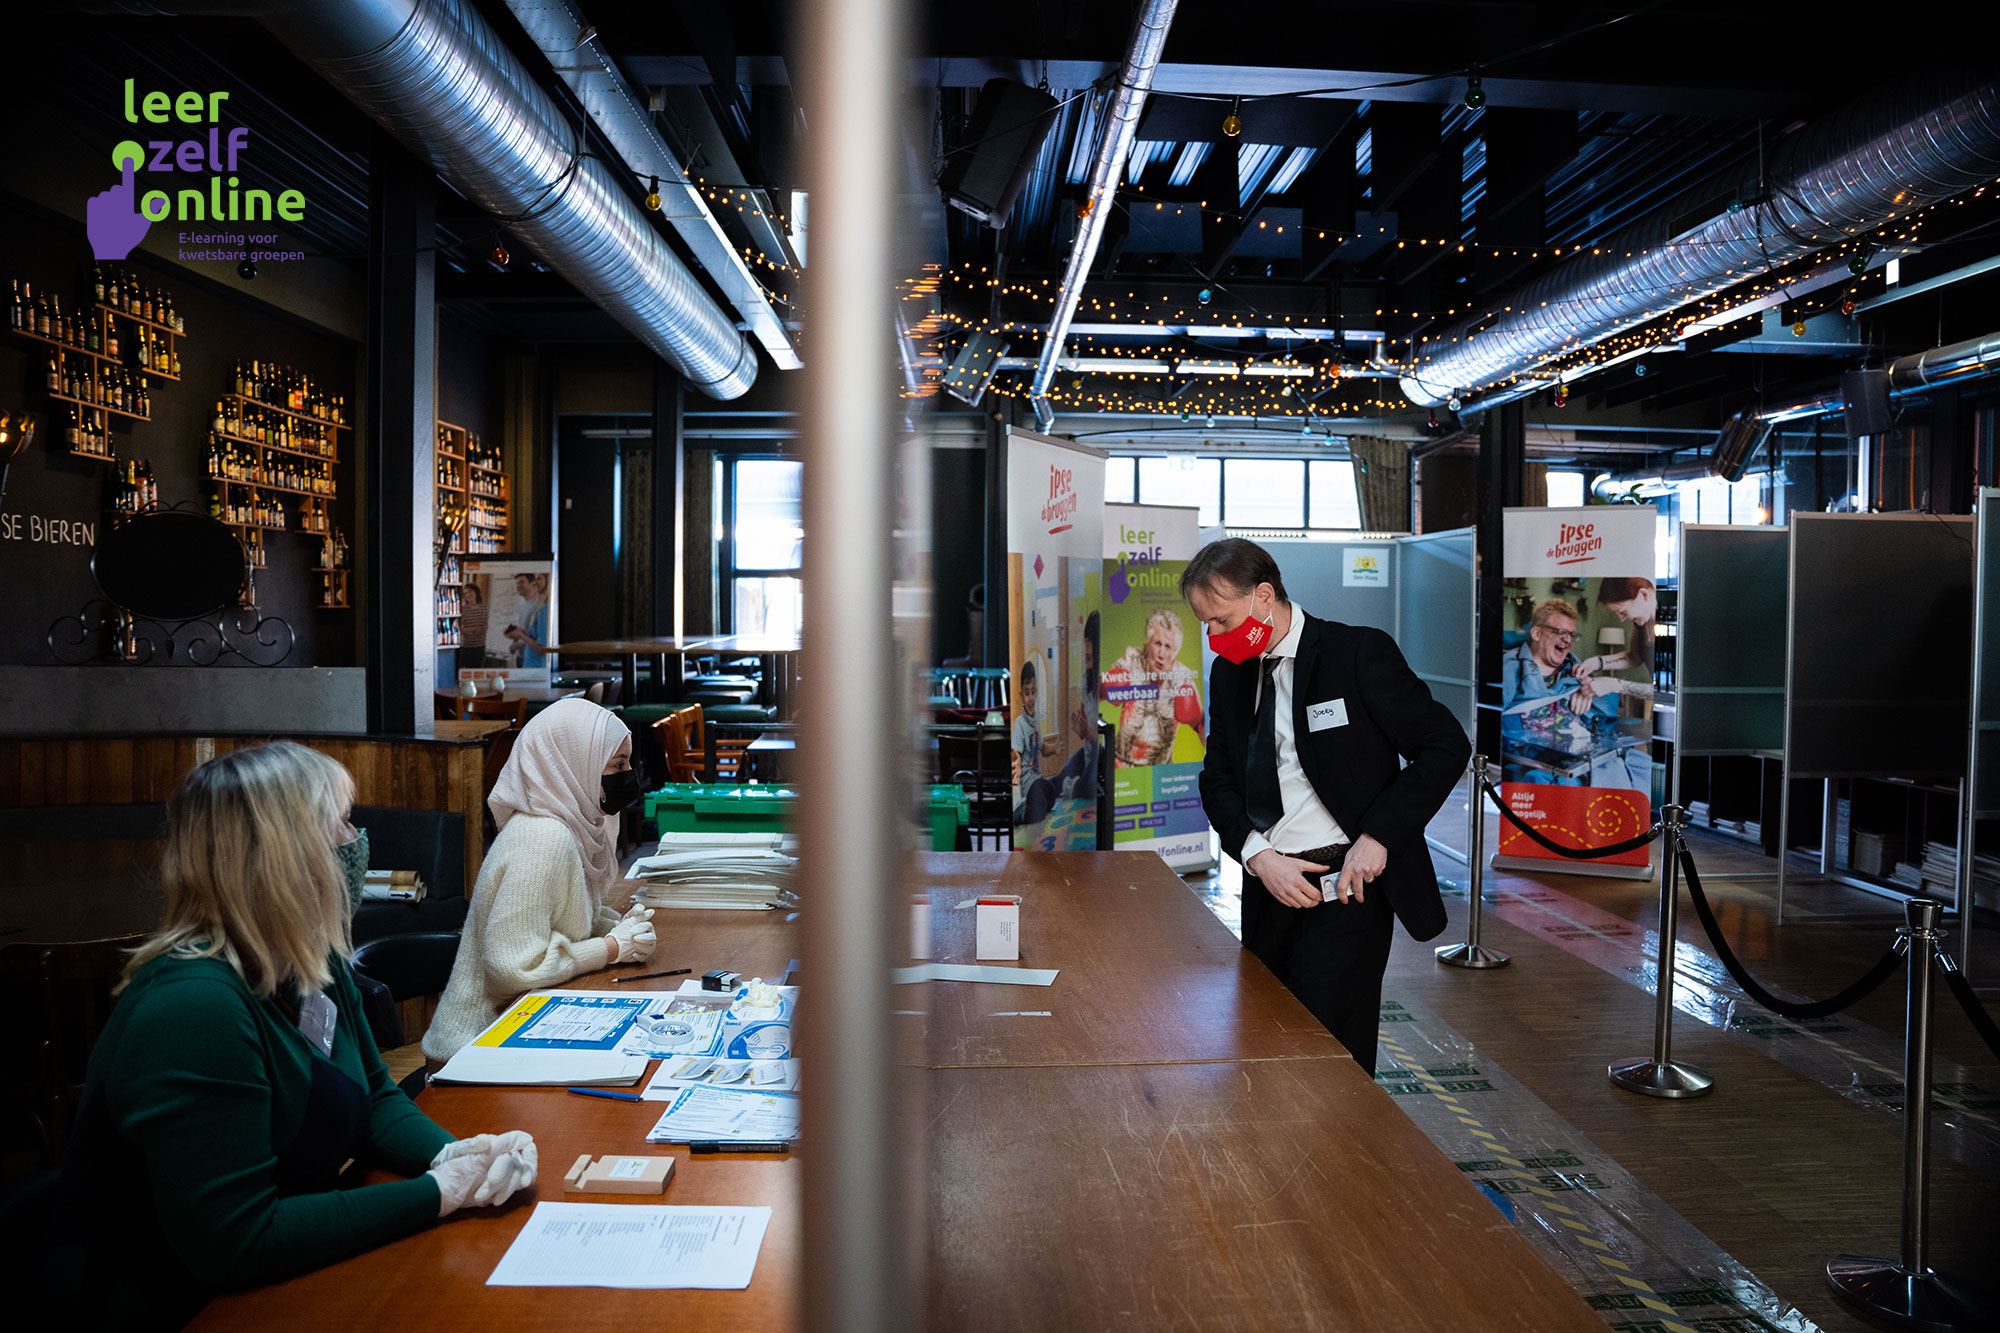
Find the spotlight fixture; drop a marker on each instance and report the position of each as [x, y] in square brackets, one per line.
[247, 269]
[1475, 91]
[1232, 124]
[653, 195]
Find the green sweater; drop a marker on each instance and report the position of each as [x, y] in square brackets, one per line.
[196, 1088]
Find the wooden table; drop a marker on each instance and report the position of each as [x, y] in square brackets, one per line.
[469, 729]
[778, 665]
[1175, 1145]
[631, 650]
[536, 694]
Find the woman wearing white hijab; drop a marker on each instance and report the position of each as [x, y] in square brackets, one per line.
[538, 915]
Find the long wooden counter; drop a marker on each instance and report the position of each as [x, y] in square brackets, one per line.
[1162, 1139]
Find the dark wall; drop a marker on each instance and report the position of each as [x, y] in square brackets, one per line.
[958, 527]
[586, 572]
[51, 494]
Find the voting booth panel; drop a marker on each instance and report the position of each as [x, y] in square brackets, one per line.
[1880, 646]
[1352, 582]
[1436, 591]
[1729, 663]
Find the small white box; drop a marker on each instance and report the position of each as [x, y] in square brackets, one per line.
[997, 928]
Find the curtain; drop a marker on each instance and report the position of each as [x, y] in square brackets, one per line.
[1381, 482]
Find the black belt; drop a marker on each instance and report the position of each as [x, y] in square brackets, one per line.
[1330, 857]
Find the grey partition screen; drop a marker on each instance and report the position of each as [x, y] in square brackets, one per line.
[1320, 578]
[1437, 615]
[1729, 645]
[1983, 770]
[1879, 677]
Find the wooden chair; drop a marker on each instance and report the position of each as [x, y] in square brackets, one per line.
[690, 757]
[71, 989]
[514, 710]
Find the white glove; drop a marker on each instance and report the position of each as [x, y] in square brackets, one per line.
[633, 936]
[457, 1178]
[512, 1168]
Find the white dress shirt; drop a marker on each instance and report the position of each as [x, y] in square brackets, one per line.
[1306, 825]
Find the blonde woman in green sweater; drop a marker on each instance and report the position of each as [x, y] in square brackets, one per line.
[538, 914]
[237, 1076]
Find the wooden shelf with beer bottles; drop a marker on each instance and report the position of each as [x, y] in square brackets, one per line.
[472, 517]
[110, 346]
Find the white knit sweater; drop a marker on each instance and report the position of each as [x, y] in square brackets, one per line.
[533, 925]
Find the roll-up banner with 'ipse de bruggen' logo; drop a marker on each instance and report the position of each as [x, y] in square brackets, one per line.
[1055, 565]
[1576, 683]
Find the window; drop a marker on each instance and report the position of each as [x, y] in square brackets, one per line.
[763, 546]
[1565, 489]
[1334, 503]
[1121, 481]
[1183, 479]
[1264, 493]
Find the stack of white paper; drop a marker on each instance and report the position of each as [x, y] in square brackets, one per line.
[634, 1246]
[703, 1113]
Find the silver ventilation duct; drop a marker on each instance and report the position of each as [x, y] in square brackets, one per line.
[1843, 177]
[578, 58]
[1975, 358]
[1121, 123]
[435, 74]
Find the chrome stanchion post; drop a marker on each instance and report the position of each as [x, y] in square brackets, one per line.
[1470, 953]
[1910, 1293]
[1661, 1076]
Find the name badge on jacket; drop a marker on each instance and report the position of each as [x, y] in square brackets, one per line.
[1324, 717]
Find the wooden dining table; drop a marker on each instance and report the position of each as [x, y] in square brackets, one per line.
[1163, 1138]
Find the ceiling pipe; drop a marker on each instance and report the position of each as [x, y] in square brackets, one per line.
[1848, 174]
[558, 27]
[437, 76]
[1121, 125]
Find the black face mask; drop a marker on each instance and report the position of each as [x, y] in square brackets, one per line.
[621, 789]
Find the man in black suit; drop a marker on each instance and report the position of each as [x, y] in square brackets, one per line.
[1310, 722]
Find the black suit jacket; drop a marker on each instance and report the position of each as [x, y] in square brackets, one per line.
[1356, 768]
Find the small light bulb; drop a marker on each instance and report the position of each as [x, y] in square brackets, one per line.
[653, 196]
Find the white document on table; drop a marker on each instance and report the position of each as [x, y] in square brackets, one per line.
[493, 1064]
[634, 1245]
[700, 1114]
[1006, 976]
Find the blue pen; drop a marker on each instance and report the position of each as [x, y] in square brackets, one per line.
[614, 1096]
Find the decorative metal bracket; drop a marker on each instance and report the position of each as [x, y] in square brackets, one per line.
[103, 631]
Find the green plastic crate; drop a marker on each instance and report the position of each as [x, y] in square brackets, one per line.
[694, 807]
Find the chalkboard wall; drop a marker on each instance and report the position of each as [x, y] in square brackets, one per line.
[54, 504]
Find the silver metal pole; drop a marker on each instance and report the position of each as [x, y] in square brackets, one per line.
[854, 1229]
[1910, 1293]
[1784, 827]
[1660, 1076]
[1470, 954]
[1829, 826]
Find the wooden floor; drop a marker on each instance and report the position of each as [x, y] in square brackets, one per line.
[1778, 1170]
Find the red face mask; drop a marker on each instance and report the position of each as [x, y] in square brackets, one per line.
[1246, 641]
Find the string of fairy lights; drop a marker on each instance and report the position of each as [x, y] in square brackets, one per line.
[1678, 309]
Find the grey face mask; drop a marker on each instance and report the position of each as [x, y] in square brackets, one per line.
[352, 857]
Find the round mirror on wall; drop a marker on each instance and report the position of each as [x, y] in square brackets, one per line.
[170, 564]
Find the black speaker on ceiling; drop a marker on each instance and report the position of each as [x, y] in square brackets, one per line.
[1866, 393]
[984, 174]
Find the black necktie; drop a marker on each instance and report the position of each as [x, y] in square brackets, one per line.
[1261, 801]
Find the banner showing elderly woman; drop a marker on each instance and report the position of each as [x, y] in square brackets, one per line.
[1576, 673]
[1152, 692]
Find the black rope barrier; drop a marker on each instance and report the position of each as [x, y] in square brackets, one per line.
[1975, 1012]
[1573, 853]
[1885, 967]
